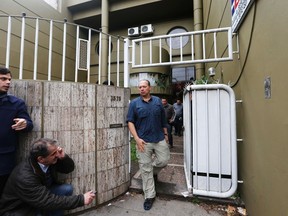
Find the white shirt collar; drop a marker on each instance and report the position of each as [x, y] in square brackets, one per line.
[43, 167]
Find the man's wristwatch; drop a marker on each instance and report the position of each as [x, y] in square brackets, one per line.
[165, 134]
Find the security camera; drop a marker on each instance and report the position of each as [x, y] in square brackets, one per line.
[211, 71]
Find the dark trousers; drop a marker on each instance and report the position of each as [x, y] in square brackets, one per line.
[178, 126]
[170, 137]
[60, 190]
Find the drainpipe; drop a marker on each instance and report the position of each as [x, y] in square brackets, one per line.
[104, 40]
[198, 25]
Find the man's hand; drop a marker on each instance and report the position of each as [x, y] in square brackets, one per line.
[61, 153]
[140, 144]
[166, 139]
[89, 197]
[20, 124]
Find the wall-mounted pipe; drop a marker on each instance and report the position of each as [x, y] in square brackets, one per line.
[104, 39]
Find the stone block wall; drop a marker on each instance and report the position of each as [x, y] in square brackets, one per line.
[89, 122]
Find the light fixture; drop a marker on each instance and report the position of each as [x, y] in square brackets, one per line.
[211, 72]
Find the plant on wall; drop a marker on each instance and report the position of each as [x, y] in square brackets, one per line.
[202, 80]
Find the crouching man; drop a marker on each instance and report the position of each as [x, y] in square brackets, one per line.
[32, 188]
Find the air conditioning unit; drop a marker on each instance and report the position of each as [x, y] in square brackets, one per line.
[147, 29]
[133, 31]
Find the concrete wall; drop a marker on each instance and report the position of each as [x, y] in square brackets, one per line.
[262, 123]
[89, 123]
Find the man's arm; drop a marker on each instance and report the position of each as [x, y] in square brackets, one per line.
[22, 121]
[173, 114]
[140, 142]
[65, 164]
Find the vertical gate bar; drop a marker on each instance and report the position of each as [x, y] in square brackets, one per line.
[233, 140]
[50, 50]
[181, 48]
[141, 54]
[195, 137]
[99, 58]
[170, 49]
[118, 59]
[36, 49]
[190, 141]
[203, 44]
[64, 51]
[8, 42]
[126, 62]
[187, 103]
[207, 140]
[88, 56]
[109, 59]
[77, 54]
[133, 52]
[150, 51]
[22, 47]
[219, 141]
[160, 50]
[192, 47]
[215, 45]
[230, 51]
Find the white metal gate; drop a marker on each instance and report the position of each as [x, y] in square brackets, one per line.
[210, 143]
[210, 156]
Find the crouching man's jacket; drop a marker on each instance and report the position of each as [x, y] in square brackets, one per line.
[26, 190]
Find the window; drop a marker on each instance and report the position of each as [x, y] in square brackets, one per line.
[183, 74]
[174, 42]
[98, 46]
[55, 4]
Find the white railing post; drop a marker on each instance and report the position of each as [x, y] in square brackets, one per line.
[8, 43]
[77, 54]
[22, 47]
[126, 62]
[88, 57]
[109, 60]
[50, 50]
[64, 50]
[118, 60]
[36, 49]
[99, 59]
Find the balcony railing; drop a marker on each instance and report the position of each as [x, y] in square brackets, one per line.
[58, 50]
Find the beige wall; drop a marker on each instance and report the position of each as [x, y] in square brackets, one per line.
[89, 123]
[262, 123]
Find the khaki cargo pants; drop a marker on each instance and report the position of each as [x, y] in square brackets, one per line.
[150, 166]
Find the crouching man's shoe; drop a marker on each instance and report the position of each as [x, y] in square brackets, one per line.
[148, 203]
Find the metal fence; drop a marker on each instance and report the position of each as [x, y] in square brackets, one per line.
[58, 50]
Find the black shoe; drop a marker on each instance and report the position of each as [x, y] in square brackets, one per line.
[148, 203]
